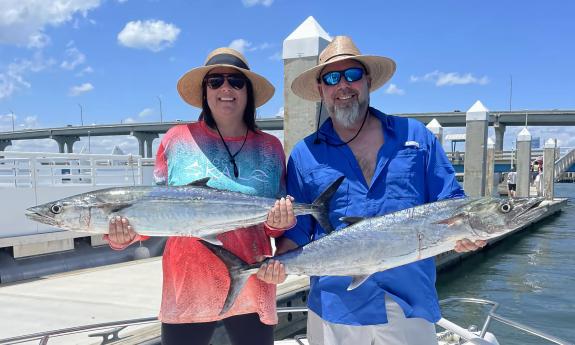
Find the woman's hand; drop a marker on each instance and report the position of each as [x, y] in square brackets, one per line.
[120, 232]
[466, 245]
[272, 272]
[281, 216]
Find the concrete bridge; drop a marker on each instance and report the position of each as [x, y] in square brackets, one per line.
[145, 133]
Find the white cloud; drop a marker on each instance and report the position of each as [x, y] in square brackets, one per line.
[250, 3]
[22, 22]
[280, 112]
[80, 89]
[12, 78]
[146, 112]
[240, 45]
[392, 89]
[154, 35]
[85, 71]
[129, 120]
[243, 46]
[451, 78]
[74, 58]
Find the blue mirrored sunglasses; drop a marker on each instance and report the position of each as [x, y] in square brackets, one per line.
[351, 74]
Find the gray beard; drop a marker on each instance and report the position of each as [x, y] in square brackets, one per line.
[346, 116]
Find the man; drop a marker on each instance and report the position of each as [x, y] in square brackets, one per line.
[390, 163]
[511, 183]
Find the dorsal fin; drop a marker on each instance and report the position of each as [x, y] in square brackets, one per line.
[203, 182]
[351, 220]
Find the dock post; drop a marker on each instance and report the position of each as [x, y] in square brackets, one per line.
[437, 129]
[301, 51]
[475, 150]
[549, 169]
[523, 162]
[490, 182]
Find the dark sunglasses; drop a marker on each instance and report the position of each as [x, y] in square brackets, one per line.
[216, 80]
[351, 74]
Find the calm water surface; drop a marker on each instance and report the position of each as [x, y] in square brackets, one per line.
[531, 274]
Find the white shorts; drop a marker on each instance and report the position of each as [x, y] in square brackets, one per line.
[399, 330]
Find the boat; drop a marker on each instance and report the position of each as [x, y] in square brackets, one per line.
[145, 330]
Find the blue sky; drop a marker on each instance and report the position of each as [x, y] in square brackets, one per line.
[116, 59]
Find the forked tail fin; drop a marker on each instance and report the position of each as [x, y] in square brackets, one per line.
[320, 206]
[238, 270]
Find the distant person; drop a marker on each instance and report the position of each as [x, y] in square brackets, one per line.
[390, 163]
[226, 146]
[512, 183]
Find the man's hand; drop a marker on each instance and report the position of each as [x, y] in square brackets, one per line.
[466, 245]
[120, 232]
[272, 272]
[281, 216]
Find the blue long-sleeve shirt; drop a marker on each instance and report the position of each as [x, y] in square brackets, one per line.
[412, 169]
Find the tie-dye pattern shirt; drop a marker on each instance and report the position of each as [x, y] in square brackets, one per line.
[195, 281]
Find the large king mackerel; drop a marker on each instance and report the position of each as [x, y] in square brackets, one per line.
[193, 210]
[372, 245]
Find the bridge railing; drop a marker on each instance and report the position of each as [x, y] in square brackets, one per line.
[32, 169]
[564, 163]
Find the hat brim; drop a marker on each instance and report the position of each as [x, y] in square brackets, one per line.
[190, 85]
[380, 69]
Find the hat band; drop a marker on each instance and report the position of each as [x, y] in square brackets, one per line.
[343, 54]
[227, 59]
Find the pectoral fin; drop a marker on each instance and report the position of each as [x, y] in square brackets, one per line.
[351, 220]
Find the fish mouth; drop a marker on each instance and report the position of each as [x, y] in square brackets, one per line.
[528, 208]
[39, 217]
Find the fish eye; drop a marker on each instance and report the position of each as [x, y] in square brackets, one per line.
[56, 208]
[505, 208]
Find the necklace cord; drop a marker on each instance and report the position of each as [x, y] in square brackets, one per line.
[356, 134]
[233, 157]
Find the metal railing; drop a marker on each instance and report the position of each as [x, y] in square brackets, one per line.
[32, 169]
[113, 328]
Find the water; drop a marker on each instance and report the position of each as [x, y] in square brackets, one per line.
[531, 274]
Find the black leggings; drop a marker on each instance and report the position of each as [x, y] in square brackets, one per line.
[242, 330]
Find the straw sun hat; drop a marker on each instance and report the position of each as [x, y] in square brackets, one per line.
[341, 48]
[190, 84]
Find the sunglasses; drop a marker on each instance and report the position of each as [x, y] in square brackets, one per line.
[351, 74]
[216, 80]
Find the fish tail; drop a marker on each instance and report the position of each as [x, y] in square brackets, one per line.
[320, 209]
[238, 270]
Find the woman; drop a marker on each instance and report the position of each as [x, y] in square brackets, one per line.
[226, 146]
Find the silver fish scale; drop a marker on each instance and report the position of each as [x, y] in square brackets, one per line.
[379, 243]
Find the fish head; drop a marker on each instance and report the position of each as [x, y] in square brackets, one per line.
[490, 216]
[72, 213]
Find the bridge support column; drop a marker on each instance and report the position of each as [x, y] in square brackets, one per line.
[4, 144]
[549, 169]
[523, 162]
[499, 136]
[145, 140]
[490, 185]
[475, 150]
[67, 141]
[300, 52]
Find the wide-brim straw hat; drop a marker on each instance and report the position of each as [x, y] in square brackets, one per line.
[190, 84]
[379, 68]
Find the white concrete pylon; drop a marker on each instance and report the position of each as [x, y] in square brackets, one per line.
[550, 143]
[435, 127]
[524, 135]
[308, 39]
[477, 112]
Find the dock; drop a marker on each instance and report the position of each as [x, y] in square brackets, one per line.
[132, 290]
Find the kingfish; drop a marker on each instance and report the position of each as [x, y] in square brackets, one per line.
[370, 245]
[193, 210]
